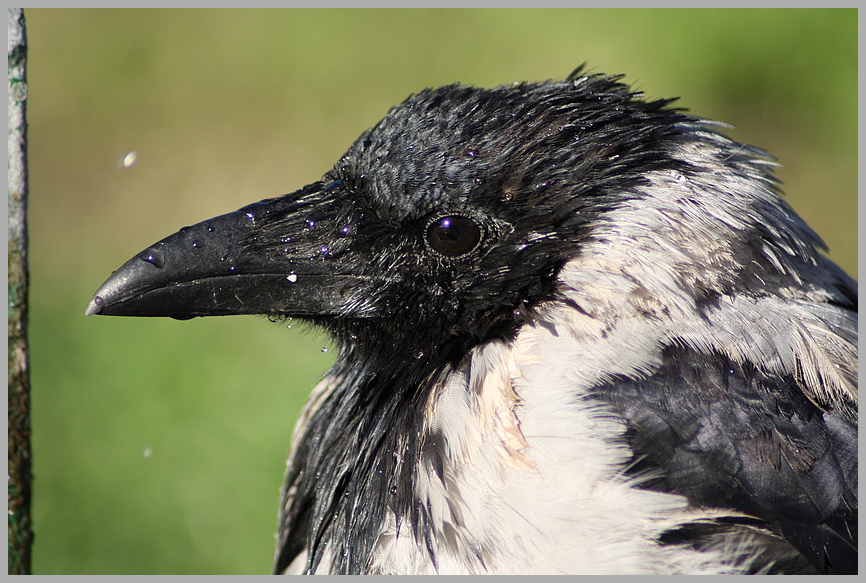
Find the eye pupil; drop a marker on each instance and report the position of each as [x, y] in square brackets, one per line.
[454, 235]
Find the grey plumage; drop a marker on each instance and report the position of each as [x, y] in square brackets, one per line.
[579, 333]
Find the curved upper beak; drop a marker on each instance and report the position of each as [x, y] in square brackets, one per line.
[210, 269]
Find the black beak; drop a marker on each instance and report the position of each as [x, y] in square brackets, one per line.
[215, 268]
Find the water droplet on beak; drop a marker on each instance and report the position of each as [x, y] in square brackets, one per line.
[154, 256]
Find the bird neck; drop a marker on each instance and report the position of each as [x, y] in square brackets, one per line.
[363, 420]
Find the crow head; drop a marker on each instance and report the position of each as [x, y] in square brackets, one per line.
[446, 224]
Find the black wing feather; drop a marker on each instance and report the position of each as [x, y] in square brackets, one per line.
[730, 435]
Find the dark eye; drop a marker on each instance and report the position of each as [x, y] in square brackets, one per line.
[453, 235]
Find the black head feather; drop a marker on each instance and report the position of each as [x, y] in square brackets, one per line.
[527, 168]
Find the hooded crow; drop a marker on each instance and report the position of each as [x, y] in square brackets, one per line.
[579, 332]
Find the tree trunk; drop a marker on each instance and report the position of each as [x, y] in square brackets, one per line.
[19, 476]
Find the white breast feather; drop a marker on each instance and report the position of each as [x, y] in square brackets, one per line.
[537, 485]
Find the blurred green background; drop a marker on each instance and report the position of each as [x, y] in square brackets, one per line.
[159, 446]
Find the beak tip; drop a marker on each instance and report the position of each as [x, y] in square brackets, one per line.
[121, 285]
[94, 306]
